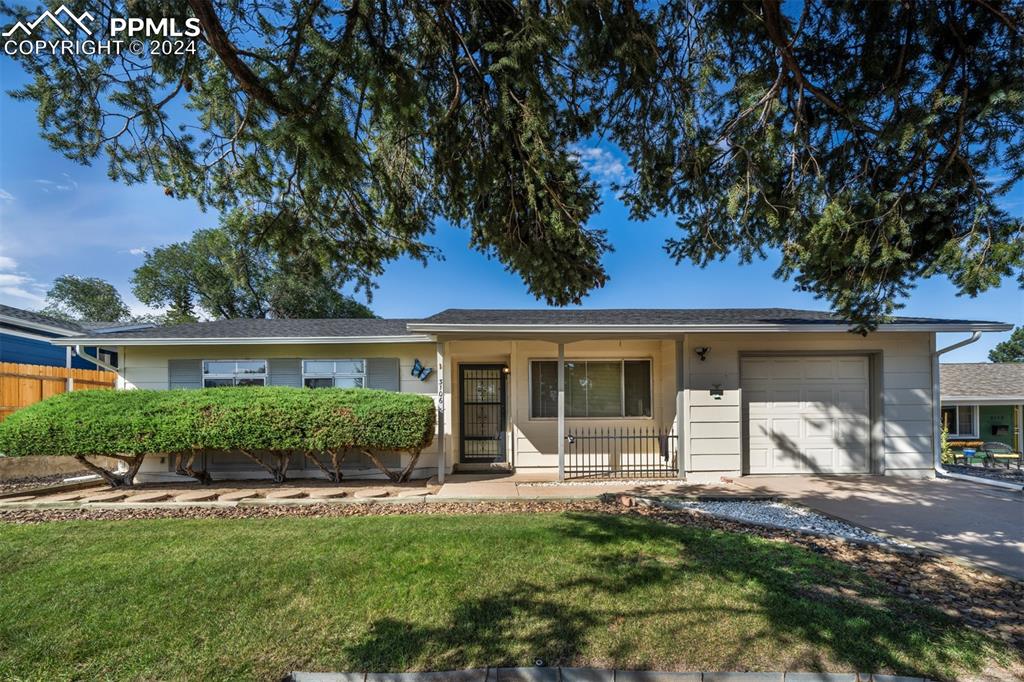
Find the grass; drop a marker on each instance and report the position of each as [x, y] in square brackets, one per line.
[232, 599]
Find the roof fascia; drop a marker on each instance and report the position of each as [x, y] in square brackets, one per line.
[248, 341]
[21, 322]
[695, 328]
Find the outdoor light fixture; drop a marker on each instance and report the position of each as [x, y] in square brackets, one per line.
[701, 352]
[505, 369]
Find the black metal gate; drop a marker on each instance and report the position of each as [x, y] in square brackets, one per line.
[482, 415]
[621, 453]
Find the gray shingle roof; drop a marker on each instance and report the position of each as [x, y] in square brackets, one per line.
[982, 379]
[34, 318]
[656, 316]
[261, 328]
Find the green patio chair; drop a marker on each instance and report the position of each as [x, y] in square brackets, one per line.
[1001, 452]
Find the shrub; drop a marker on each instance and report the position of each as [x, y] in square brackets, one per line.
[281, 421]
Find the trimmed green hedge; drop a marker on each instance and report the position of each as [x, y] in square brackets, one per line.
[245, 418]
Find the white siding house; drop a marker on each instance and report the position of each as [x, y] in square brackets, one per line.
[695, 393]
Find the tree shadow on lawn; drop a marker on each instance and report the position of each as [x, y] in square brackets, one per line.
[807, 612]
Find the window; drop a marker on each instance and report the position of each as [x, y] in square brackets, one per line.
[234, 373]
[593, 388]
[334, 373]
[959, 419]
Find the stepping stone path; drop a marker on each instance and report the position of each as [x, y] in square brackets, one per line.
[371, 492]
[151, 496]
[68, 497]
[327, 493]
[110, 496]
[286, 494]
[414, 492]
[197, 496]
[236, 495]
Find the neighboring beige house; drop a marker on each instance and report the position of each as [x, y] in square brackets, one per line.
[694, 393]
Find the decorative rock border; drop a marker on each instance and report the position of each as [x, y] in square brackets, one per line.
[591, 675]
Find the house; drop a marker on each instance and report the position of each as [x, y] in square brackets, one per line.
[576, 393]
[984, 401]
[25, 339]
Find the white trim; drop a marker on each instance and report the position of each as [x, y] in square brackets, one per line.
[25, 335]
[227, 341]
[982, 399]
[20, 322]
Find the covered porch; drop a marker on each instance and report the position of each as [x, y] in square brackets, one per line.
[561, 408]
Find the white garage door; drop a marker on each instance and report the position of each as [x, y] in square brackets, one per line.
[807, 414]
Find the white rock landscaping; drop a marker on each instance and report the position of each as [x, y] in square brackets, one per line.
[781, 515]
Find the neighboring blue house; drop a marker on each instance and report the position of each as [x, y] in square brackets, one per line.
[25, 338]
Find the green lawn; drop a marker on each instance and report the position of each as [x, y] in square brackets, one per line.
[221, 599]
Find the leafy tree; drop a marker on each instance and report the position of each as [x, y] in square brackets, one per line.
[225, 274]
[85, 298]
[1011, 350]
[861, 140]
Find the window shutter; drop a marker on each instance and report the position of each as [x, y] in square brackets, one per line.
[185, 373]
[285, 372]
[382, 373]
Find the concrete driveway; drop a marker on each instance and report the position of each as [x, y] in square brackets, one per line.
[978, 523]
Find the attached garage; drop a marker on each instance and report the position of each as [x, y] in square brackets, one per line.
[807, 414]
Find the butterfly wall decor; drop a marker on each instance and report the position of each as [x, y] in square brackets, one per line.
[419, 371]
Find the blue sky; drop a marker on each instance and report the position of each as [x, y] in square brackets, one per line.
[57, 217]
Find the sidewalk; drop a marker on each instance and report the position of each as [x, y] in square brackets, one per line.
[538, 487]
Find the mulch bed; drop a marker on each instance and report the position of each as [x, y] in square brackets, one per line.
[996, 473]
[985, 601]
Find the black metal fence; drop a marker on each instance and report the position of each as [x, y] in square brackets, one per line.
[621, 453]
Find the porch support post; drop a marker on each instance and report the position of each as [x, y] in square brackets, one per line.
[680, 405]
[442, 375]
[561, 411]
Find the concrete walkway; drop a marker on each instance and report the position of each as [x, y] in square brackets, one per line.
[534, 487]
[978, 523]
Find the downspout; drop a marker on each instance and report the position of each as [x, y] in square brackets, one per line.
[96, 361]
[937, 421]
[121, 466]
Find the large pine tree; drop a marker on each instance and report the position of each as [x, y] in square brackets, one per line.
[867, 142]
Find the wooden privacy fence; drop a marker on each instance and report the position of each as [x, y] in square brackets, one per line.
[22, 385]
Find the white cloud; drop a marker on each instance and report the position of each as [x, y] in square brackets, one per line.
[66, 184]
[25, 291]
[137, 252]
[5, 196]
[604, 166]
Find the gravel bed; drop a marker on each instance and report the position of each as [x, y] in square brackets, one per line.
[30, 482]
[1011, 475]
[787, 516]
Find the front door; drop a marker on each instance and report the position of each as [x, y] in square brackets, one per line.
[481, 414]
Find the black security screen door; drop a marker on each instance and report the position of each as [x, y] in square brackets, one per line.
[482, 413]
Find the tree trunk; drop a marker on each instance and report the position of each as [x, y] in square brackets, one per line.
[114, 479]
[399, 477]
[279, 471]
[336, 460]
[263, 465]
[186, 469]
[335, 474]
[407, 471]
